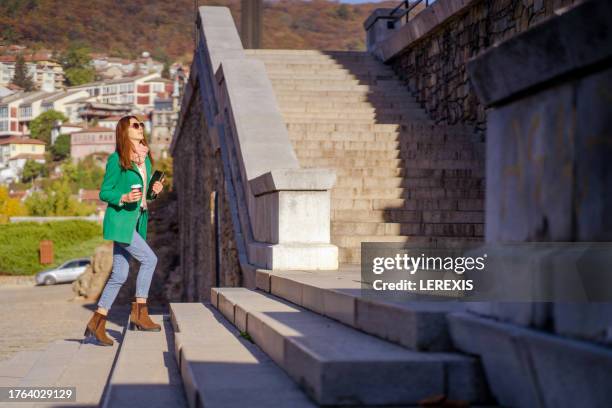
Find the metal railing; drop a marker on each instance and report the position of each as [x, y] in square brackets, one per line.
[406, 7]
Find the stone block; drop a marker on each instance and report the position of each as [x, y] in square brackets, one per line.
[586, 321]
[570, 373]
[294, 256]
[505, 362]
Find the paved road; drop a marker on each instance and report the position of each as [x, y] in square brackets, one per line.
[33, 316]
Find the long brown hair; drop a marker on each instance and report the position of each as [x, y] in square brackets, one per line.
[124, 144]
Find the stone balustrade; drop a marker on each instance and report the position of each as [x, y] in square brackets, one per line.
[279, 213]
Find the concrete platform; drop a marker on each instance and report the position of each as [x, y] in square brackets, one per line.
[221, 369]
[337, 365]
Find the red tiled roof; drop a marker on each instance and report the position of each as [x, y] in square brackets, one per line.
[39, 56]
[28, 156]
[17, 194]
[117, 117]
[89, 194]
[20, 140]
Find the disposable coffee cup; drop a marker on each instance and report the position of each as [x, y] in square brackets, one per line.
[136, 188]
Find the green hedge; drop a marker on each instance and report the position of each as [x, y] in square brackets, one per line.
[19, 243]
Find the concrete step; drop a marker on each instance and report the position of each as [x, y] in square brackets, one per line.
[339, 127]
[421, 155]
[145, 374]
[382, 81]
[423, 205]
[409, 183]
[309, 54]
[349, 162]
[381, 117]
[351, 95]
[281, 68]
[283, 52]
[301, 86]
[395, 99]
[222, 369]
[321, 63]
[312, 104]
[415, 127]
[354, 241]
[395, 222]
[363, 58]
[341, 227]
[325, 110]
[328, 66]
[339, 295]
[328, 75]
[377, 136]
[337, 365]
[395, 215]
[348, 117]
[373, 145]
[336, 162]
[409, 173]
[356, 119]
[429, 193]
[352, 254]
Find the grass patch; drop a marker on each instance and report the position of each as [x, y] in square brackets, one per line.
[246, 336]
[19, 243]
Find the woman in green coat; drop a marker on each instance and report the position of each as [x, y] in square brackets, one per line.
[125, 223]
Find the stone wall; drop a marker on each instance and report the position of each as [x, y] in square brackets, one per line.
[434, 65]
[198, 176]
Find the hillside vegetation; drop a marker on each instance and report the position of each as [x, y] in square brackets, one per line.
[165, 28]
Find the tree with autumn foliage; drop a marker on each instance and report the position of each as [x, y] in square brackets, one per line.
[10, 207]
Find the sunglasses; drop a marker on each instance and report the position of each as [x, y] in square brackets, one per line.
[138, 125]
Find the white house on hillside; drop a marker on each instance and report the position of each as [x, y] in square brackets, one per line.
[62, 102]
[139, 91]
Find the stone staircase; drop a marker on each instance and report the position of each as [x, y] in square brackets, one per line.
[401, 178]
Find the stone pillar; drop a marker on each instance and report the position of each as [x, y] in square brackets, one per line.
[549, 178]
[378, 27]
[251, 20]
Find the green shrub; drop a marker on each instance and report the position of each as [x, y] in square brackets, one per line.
[56, 200]
[19, 243]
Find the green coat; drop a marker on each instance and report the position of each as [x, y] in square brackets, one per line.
[120, 220]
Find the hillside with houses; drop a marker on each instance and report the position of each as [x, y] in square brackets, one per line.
[53, 119]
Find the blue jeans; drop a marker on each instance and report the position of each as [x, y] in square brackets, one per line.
[138, 249]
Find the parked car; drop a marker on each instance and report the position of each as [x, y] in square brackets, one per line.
[66, 272]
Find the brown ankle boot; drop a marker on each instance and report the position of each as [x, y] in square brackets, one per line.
[140, 320]
[97, 327]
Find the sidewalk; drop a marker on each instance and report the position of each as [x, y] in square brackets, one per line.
[34, 316]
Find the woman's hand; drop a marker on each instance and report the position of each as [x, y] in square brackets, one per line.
[157, 187]
[131, 197]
